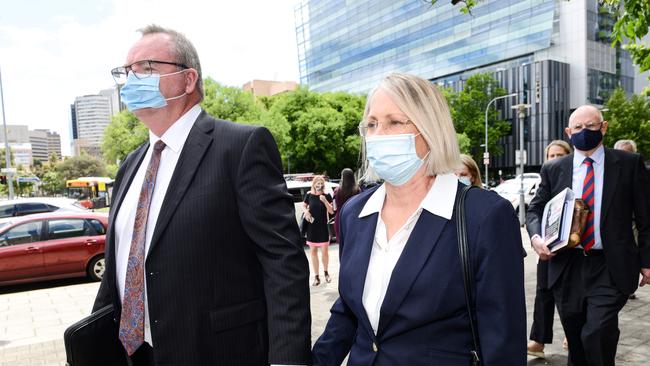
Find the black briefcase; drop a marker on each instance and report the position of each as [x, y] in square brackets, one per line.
[94, 341]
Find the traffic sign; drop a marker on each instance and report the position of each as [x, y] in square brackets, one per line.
[8, 170]
[486, 161]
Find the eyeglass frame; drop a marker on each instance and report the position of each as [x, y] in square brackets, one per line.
[363, 125]
[128, 68]
[589, 125]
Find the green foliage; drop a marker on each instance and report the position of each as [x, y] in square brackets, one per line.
[628, 119]
[111, 170]
[123, 135]
[52, 183]
[83, 165]
[230, 103]
[464, 143]
[465, 7]
[468, 113]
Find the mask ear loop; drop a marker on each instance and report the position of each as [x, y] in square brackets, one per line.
[174, 73]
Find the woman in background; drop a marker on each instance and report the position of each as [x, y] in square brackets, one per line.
[468, 172]
[318, 205]
[347, 188]
[541, 331]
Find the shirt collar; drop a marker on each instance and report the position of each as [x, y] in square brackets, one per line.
[175, 136]
[598, 156]
[438, 201]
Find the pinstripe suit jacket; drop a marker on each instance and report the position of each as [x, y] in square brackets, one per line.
[227, 281]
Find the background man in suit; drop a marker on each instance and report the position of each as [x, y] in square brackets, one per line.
[592, 282]
[204, 265]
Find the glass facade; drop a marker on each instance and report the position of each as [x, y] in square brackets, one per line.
[351, 44]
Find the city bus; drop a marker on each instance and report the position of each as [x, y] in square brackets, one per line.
[91, 192]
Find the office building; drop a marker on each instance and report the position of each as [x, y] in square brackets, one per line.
[555, 55]
[53, 144]
[90, 115]
[17, 134]
[38, 140]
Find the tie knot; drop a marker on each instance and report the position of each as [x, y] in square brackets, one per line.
[588, 161]
[159, 146]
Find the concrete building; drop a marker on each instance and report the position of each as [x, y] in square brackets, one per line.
[90, 116]
[555, 55]
[38, 139]
[54, 144]
[22, 154]
[267, 87]
[17, 134]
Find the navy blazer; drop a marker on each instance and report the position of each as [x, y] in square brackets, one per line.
[424, 318]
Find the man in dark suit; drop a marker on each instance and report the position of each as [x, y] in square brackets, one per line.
[592, 282]
[204, 265]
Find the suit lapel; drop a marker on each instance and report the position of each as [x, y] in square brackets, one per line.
[359, 263]
[610, 177]
[416, 253]
[191, 156]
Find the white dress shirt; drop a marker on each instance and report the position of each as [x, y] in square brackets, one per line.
[579, 173]
[385, 253]
[174, 139]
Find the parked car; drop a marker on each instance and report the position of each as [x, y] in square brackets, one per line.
[510, 190]
[28, 206]
[299, 188]
[51, 246]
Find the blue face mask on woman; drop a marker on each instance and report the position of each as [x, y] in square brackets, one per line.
[145, 93]
[393, 157]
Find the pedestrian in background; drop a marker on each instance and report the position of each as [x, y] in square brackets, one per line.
[402, 299]
[591, 282]
[347, 188]
[468, 172]
[318, 207]
[541, 332]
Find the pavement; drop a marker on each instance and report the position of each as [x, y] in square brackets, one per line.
[33, 318]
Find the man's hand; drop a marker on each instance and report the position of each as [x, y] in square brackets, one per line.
[541, 249]
[645, 277]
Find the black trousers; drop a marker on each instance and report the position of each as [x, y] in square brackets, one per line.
[542, 329]
[143, 356]
[588, 303]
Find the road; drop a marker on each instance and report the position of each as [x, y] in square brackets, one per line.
[33, 318]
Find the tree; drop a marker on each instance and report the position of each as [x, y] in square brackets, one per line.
[123, 135]
[468, 113]
[628, 119]
[52, 183]
[230, 103]
[83, 165]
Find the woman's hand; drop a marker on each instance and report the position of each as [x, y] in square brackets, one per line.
[323, 199]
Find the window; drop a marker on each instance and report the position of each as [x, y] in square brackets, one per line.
[68, 228]
[22, 234]
[7, 210]
[98, 226]
[30, 208]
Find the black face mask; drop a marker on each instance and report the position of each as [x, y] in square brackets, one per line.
[586, 139]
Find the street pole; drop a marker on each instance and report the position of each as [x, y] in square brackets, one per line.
[7, 152]
[521, 109]
[486, 154]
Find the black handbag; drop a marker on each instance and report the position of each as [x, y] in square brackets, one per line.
[304, 225]
[93, 341]
[468, 276]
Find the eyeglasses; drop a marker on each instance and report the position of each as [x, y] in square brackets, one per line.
[141, 69]
[594, 126]
[392, 127]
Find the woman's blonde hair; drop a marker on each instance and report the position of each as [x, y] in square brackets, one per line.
[472, 167]
[561, 143]
[427, 108]
[316, 179]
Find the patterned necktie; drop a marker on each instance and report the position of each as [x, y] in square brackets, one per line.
[132, 320]
[588, 195]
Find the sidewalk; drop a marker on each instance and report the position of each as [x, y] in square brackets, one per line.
[32, 322]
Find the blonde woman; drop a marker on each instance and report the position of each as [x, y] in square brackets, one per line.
[468, 172]
[318, 205]
[401, 287]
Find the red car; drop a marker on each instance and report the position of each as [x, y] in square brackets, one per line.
[52, 245]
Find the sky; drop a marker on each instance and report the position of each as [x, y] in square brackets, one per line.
[54, 51]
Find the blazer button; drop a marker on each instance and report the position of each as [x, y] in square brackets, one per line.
[374, 347]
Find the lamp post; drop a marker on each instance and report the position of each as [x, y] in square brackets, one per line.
[521, 109]
[486, 155]
[7, 153]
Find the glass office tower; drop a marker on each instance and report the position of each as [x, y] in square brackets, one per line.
[554, 54]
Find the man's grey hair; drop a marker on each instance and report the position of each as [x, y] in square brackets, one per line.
[620, 145]
[183, 49]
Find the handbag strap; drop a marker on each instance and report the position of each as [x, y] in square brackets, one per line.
[468, 278]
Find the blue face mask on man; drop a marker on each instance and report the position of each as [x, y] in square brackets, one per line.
[393, 157]
[138, 93]
[586, 139]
